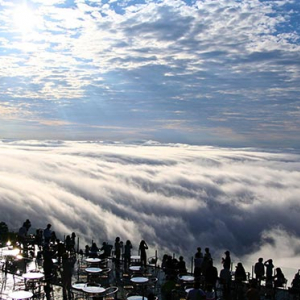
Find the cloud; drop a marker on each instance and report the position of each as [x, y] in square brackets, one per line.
[177, 197]
[201, 58]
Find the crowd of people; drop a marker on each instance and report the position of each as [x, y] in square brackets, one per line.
[205, 272]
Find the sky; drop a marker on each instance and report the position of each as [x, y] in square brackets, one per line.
[223, 73]
[175, 196]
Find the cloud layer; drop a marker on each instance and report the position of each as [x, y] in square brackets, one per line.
[222, 72]
[176, 197]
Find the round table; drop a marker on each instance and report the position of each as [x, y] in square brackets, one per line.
[92, 260]
[135, 257]
[13, 252]
[20, 295]
[93, 289]
[135, 268]
[137, 298]
[139, 279]
[187, 278]
[33, 275]
[78, 286]
[93, 270]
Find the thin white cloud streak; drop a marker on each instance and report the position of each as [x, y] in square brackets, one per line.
[177, 197]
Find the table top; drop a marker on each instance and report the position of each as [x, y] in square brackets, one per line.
[137, 298]
[92, 260]
[135, 257]
[33, 275]
[139, 279]
[20, 295]
[135, 268]
[93, 270]
[78, 286]
[187, 278]
[12, 252]
[93, 289]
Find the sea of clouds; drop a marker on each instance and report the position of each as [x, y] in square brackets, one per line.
[177, 197]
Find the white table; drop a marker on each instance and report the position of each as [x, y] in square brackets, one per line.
[137, 298]
[33, 275]
[20, 295]
[93, 270]
[135, 268]
[93, 289]
[92, 260]
[139, 280]
[135, 257]
[188, 290]
[187, 278]
[13, 252]
[78, 286]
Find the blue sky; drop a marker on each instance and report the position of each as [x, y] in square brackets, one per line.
[198, 72]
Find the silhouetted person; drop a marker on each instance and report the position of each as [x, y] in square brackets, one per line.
[22, 234]
[53, 237]
[117, 251]
[94, 250]
[269, 271]
[181, 266]
[143, 247]
[259, 270]
[87, 250]
[196, 293]
[66, 276]
[279, 279]
[69, 243]
[127, 254]
[199, 252]
[240, 274]
[211, 275]
[296, 281]
[225, 280]
[295, 286]
[198, 264]
[48, 263]
[106, 248]
[38, 239]
[206, 260]
[73, 239]
[47, 234]
[227, 260]
[27, 225]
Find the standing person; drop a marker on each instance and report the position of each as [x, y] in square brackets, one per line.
[227, 260]
[269, 272]
[66, 276]
[127, 254]
[181, 266]
[198, 264]
[142, 248]
[259, 270]
[279, 279]
[47, 234]
[240, 273]
[206, 260]
[27, 224]
[211, 275]
[117, 251]
[22, 234]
